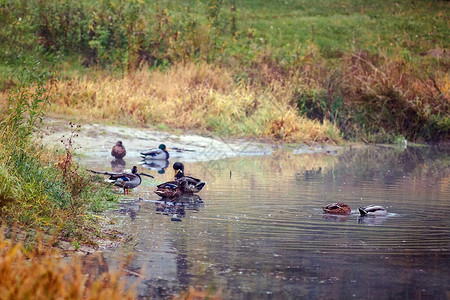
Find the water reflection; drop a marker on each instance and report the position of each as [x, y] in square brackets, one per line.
[336, 218]
[156, 165]
[261, 232]
[130, 208]
[118, 165]
[372, 220]
[178, 209]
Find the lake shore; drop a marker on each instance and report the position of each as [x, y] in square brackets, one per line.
[95, 139]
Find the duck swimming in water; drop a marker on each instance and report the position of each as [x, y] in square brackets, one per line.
[337, 209]
[157, 153]
[125, 180]
[193, 185]
[372, 210]
[118, 151]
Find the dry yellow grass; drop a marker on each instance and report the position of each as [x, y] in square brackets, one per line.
[44, 274]
[188, 96]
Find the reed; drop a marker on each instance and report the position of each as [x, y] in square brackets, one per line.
[294, 58]
[44, 273]
[189, 96]
[41, 189]
[395, 97]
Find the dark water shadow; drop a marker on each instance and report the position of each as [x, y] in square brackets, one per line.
[156, 165]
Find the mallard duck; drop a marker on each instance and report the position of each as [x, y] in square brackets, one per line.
[125, 180]
[118, 151]
[193, 185]
[337, 209]
[372, 210]
[171, 190]
[158, 153]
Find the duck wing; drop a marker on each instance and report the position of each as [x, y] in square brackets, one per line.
[152, 152]
[170, 189]
[126, 180]
[193, 185]
[169, 185]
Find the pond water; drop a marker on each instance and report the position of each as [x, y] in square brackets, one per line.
[260, 232]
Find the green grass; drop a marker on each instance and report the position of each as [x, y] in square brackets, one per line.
[345, 25]
[312, 46]
[40, 189]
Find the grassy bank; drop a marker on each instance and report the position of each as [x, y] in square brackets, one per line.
[43, 190]
[46, 200]
[189, 96]
[292, 70]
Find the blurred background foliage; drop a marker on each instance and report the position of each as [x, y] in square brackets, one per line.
[375, 72]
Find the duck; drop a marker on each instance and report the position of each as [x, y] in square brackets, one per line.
[337, 209]
[372, 210]
[171, 190]
[118, 151]
[125, 180]
[193, 185]
[157, 153]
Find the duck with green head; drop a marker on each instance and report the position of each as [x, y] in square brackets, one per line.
[156, 153]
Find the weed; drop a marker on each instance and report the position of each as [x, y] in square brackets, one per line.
[43, 273]
[39, 189]
[372, 71]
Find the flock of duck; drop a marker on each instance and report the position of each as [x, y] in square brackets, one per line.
[182, 184]
[171, 190]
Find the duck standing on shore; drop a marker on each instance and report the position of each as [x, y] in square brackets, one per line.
[125, 180]
[118, 151]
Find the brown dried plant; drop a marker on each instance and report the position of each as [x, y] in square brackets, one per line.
[43, 273]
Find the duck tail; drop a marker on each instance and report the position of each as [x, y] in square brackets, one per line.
[200, 185]
[362, 211]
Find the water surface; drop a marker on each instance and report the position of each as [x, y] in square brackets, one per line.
[260, 232]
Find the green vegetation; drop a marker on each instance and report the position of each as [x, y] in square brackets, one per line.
[373, 71]
[292, 70]
[39, 189]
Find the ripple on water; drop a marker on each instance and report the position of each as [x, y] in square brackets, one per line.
[267, 219]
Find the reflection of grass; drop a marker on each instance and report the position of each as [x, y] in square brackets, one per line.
[251, 174]
[376, 71]
[257, 172]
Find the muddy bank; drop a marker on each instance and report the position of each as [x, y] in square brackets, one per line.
[96, 140]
